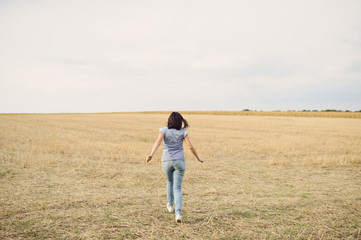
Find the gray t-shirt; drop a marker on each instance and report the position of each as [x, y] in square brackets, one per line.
[173, 143]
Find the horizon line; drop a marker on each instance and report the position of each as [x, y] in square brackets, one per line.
[193, 111]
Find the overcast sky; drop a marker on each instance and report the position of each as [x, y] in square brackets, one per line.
[110, 56]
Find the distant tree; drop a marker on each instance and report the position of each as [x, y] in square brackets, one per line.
[314, 110]
[246, 110]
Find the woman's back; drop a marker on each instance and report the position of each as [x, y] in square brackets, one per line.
[173, 143]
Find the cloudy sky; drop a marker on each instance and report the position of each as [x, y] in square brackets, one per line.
[109, 56]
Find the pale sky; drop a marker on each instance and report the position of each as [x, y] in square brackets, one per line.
[113, 56]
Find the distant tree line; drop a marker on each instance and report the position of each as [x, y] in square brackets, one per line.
[304, 110]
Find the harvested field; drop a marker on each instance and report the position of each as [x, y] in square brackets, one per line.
[84, 176]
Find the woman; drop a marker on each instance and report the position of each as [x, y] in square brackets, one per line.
[173, 161]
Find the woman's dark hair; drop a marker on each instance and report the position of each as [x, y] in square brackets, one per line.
[175, 121]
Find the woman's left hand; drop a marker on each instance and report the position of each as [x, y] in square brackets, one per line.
[148, 158]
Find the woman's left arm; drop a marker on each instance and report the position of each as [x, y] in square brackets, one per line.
[155, 146]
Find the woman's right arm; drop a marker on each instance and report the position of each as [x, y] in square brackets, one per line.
[193, 150]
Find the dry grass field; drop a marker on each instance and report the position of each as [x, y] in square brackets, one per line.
[84, 176]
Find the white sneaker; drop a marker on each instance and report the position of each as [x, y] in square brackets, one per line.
[178, 218]
[170, 208]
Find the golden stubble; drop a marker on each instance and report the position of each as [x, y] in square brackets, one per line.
[83, 176]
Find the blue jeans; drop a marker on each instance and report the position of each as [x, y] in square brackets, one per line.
[174, 171]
